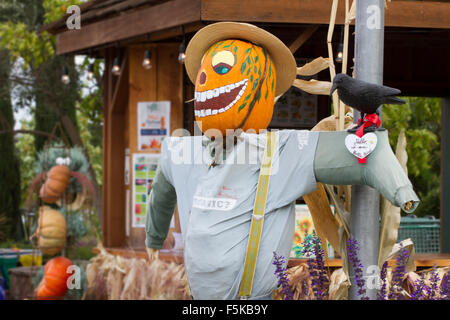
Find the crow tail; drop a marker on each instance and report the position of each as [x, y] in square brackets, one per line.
[394, 100]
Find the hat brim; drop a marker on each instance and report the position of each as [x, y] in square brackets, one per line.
[282, 57]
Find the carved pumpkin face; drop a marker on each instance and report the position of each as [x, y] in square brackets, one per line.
[235, 87]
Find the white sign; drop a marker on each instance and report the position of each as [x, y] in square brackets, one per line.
[361, 147]
[153, 124]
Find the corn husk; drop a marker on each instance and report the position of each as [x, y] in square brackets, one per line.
[339, 285]
[313, 86]
[313, 67]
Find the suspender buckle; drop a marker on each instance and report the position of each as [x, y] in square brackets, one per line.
[244, 298]
[257, 216]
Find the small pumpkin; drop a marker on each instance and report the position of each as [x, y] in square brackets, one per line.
[54, 283]
[57, 180]
[235, 88]
[51, 231]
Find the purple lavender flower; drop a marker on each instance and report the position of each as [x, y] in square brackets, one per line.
[433, 290]
[312, 247]
[398, 274]
[419, 288]
[352, 252]
[382, 293]
[445, 287]
[322, 280]
[280, 272]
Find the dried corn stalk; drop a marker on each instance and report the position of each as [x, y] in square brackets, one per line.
[300, 282]
[114, 277]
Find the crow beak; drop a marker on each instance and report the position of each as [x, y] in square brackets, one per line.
[333, 88]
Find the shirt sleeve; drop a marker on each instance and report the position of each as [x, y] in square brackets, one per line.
[334, 164]
[292, 173]
[160, 208]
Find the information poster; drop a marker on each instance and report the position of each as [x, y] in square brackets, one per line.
[153, 124]
[144, 171]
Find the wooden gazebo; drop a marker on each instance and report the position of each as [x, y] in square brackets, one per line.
[417, 48]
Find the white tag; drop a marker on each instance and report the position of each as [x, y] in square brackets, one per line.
[361, 147]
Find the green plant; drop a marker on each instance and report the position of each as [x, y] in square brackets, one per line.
[421, 120]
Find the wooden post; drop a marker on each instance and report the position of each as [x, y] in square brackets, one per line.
[445, 176]
[113, 160]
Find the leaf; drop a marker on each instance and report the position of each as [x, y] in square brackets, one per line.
[244, 65]
[255, 84]
[242, 106]
[266, 95]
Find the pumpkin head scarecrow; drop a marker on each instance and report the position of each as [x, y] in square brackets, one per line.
[237, 69]
[236, 213]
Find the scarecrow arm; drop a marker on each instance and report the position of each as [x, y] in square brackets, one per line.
[334, 164]
[160, 208]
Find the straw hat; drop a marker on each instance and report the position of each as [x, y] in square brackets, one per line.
[282, 57]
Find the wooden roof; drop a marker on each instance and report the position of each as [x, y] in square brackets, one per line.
[105, 22]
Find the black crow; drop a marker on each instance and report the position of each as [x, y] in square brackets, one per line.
[364, 96]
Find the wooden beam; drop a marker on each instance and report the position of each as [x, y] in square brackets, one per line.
[139, 22]
[106, 103]
[417, 14]
[445, 176]
[302, 38]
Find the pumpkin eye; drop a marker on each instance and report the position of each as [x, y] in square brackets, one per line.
[222, 68]
[223, 61]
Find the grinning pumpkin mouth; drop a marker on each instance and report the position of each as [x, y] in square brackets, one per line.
[218, 100]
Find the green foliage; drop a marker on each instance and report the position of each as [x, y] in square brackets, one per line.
[15, 244]
[27, 44]
[92, 143]
[26, 150]
[53, 98]
[421, 120]
[9, 160]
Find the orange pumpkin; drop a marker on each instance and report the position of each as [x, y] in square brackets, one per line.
[54, 283]
[56, 183]
[51, 231]
[234, 88]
